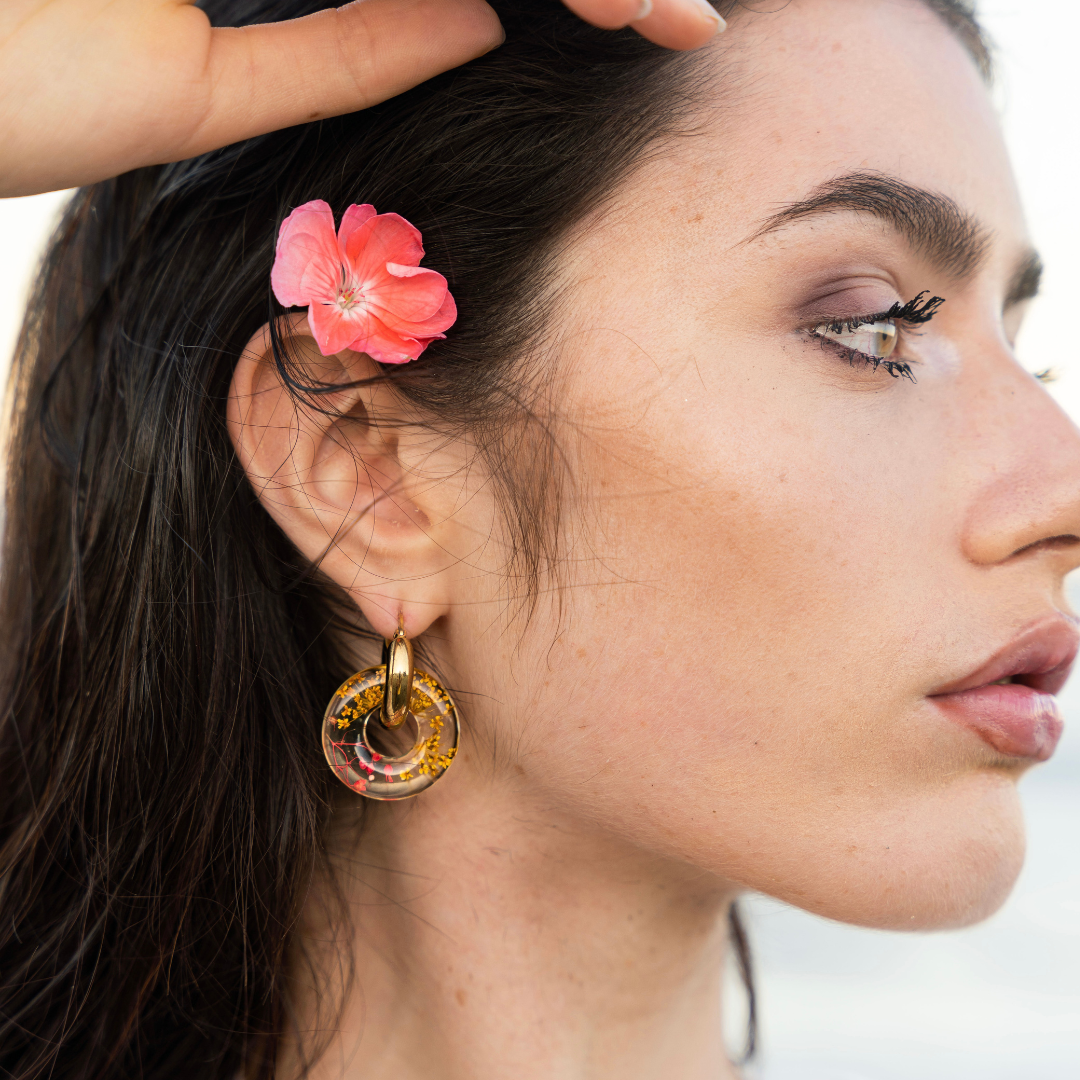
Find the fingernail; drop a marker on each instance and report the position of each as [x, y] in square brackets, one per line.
[643, 10]
[706, 9]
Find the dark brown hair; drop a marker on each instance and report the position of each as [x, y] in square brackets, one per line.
[167, 652]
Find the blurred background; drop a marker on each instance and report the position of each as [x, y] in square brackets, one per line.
[1000, 1001]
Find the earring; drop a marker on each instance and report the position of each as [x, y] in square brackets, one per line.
[390, 731]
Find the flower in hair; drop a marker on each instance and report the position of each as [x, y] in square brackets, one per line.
[363, 287]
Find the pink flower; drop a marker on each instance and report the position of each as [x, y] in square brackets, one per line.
[364, 288]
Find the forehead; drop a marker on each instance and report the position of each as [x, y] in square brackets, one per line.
[822, 88]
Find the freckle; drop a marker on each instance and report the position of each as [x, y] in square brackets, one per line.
[583, 652]
[837, 46]
[460, 995]
[519, 770]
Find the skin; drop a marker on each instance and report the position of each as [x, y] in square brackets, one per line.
[128, 83]
[772, 557]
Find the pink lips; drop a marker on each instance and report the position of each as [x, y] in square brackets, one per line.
[1019, 718]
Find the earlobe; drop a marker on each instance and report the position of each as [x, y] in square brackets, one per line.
[330, 471]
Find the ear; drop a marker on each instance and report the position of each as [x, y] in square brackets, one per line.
[348, 478]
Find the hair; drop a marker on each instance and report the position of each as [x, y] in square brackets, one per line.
[168, 652]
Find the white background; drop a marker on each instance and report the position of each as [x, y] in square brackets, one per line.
[1000, 1001]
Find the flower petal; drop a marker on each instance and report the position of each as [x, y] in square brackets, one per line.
[307, 261]
[384, 344]
[443, 319]
[334, 329]
[411, 293]
[379, 240]
[351, 220]
[432, 326]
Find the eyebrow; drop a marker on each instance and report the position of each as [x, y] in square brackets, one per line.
[932, 223]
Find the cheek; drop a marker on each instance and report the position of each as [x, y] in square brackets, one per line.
[751, 672]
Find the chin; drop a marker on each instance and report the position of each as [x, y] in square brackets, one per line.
[946, 863]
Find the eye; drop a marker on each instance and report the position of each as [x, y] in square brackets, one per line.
[873, 340]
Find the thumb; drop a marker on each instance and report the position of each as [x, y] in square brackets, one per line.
[274, 75]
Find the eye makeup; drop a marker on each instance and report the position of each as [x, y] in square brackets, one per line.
[872, 340]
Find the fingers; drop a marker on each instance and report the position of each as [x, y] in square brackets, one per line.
[676, 24]
[275, 75]
[680, 24]
[610, 14]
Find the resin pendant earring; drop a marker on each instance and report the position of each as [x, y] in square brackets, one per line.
[390, 731]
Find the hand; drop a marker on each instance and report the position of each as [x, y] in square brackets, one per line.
[92, 88]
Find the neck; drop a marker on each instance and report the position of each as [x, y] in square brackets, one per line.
[491, 938]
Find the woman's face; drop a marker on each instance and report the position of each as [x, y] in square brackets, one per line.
[779, 555]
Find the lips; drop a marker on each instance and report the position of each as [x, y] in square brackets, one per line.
[1009, 701]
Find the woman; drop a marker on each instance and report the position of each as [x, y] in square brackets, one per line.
[722, 511]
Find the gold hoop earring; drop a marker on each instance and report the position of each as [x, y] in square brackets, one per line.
[390, 731]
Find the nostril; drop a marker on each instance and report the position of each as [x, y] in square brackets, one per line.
[1050, 543]
[1066, 540]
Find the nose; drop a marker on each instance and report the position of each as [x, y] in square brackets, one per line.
[1027, 493]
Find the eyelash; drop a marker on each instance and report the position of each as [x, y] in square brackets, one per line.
[915, 312]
